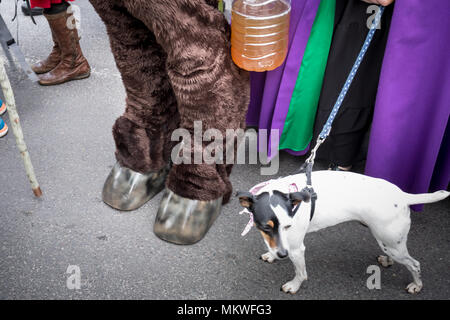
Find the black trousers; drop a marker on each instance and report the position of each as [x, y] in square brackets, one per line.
[56, 8]
[355, 116]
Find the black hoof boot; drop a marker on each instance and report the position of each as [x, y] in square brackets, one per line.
[128, 190]
[184, 221]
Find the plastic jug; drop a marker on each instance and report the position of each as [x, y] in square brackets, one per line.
[260, 33]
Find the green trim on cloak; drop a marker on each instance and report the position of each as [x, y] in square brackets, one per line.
[299, 124]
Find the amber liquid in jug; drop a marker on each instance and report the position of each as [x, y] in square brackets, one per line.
[260, 33]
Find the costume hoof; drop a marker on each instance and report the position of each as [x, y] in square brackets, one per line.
[185, 221]
[385, 261]
[414, 288]
[128, 190]
[291, 287]
[267, 257]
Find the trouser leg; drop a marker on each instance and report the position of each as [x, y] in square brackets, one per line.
[142, 133]
[56, 8]
[207, 84]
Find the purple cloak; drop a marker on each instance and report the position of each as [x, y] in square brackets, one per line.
[409, 142]
[413, 102]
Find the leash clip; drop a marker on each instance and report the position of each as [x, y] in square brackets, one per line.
[309, 163]
[312, 157]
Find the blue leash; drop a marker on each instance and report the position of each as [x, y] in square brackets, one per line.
[327, 128]
[309, 163]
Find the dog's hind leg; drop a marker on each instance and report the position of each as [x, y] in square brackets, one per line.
[392, 239]
[399, 253]
[412, 265]
[297, 257]
[385, 261]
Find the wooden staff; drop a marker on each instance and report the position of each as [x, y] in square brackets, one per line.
[17, 128]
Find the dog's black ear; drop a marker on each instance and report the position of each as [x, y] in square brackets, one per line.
[297, 197]
[246, 199]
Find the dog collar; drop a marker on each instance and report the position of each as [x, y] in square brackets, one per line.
[313, 197]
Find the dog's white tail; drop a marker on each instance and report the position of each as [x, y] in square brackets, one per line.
[413, 199]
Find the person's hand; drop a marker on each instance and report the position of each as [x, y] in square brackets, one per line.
[381, 2]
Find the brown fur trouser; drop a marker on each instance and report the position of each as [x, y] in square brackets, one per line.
[174, 58]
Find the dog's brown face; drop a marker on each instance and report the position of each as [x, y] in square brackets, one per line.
[267, 209]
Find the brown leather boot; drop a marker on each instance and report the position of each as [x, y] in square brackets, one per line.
[52, 60]
[73, 65]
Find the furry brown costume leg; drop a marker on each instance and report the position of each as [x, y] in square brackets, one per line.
[174, 54]
[142, 133]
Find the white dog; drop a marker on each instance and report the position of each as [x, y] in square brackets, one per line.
[282, 214]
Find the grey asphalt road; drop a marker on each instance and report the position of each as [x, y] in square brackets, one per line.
[68, 131]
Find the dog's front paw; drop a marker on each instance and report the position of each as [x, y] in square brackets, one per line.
[268, 257]
[385, 261]
[292, 286]
[414, 288]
